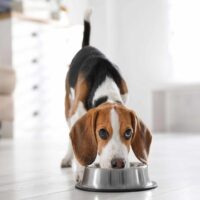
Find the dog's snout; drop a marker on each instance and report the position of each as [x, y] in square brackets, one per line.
[117, 163]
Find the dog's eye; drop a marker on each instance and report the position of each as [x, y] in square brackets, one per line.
[103, 134]
[128, 134]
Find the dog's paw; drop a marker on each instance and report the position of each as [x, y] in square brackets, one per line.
[78, 170]
[79, 176]
[65, 163]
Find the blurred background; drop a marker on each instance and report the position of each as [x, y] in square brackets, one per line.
[156, 45]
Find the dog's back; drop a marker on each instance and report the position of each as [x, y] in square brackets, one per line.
[81, 61]
[88, 71]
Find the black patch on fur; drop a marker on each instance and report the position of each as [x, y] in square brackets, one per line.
[95, 67]
[100, 100]
[79, 63]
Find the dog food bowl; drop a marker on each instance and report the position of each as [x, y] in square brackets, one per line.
[134, 178]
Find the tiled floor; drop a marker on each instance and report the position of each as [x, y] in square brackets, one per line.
[29, 169]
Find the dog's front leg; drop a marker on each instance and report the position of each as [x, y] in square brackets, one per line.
[78, 170]
[67, 160]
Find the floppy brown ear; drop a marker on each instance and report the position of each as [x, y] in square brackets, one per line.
[83, 138]
[141, 140]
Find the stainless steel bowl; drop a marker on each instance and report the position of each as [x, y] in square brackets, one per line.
[134, 178]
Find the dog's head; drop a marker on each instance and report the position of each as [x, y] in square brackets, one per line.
[110, 130]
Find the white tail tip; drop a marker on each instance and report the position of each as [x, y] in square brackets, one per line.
[87, 14]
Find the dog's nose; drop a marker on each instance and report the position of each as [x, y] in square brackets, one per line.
[118, 163]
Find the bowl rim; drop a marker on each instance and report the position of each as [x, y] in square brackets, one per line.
[85, 188]
[135, 165]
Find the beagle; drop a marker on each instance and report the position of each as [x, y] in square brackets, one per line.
[101, 125]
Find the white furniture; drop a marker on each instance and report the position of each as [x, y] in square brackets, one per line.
[41, 53]
[176, 108]
[40, 50]
[39, 59]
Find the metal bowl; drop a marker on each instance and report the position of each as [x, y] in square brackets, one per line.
[134, 178]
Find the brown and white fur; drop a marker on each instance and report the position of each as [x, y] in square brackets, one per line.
[102, 127]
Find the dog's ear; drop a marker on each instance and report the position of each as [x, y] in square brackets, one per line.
[141, 140]
[83, 138]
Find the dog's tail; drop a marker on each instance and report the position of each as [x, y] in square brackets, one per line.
[86, 32]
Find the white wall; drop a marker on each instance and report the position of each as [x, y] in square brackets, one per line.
[185, 42]
[76, 10]
[134, 34]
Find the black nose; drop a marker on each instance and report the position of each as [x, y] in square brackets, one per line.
[118, 163]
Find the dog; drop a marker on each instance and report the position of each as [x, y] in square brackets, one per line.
[95, 107]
